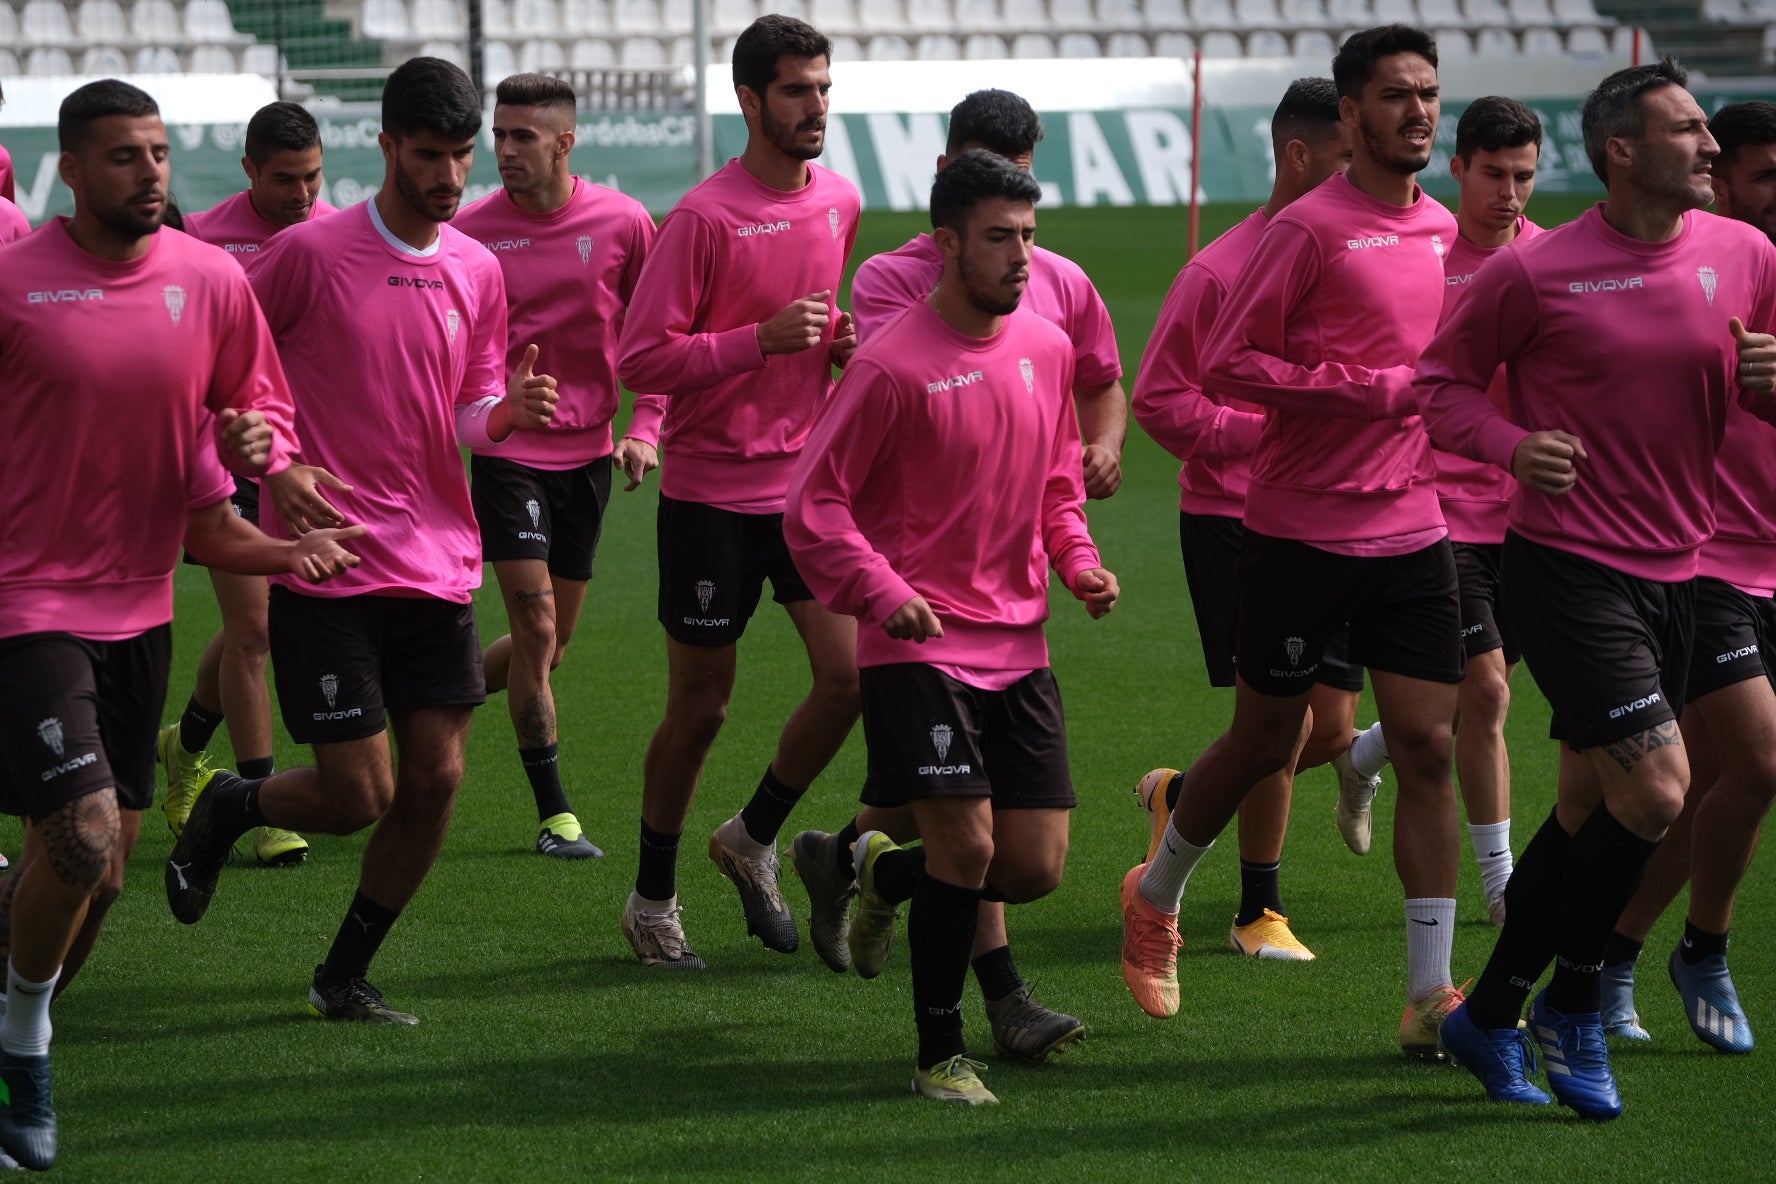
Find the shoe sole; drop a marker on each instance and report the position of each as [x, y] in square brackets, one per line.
[1054, 1049]
[1269, 953]
[571, 852]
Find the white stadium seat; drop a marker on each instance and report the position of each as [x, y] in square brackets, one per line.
[539, 57]
[1222, 45]
[731, 16]
[1543, 43]
[210, 59]
[9, 30]
[1213, 14]
[263, 59]
[795, 8]
[1483, 14]
[845, 49]
[1126, 45]
[882, 15]
[44, 22]
[48, 61]
[1526, 13]
[1439, 12]
[1079, 45]
[591, 54]
[440, 19]
[889, 47]
[978, 14]
[1074, 16]
[1314, 43]
[1120, 16]
[1453, 45]
[1032, 45]
[675, 16]
[1388, 12]
[1166, 15]
[982, 47]
[1588, 41]
[1579, 12]
[207, 22]
[1493, 43]
[642, 51]
[9, 64]
[385, 20]
[1026, 15]
[158, 59]
[497, 62]
[1304, 14]
[831, 16]
[536, 18]
[101, 22]
[938, 47]
[1174, 45]
[155, 22]
[1266, 43]
[1622, 41]
[930, 14]
[449, 51]
[1257, 14]
[635, 16]
[1349, 14]
[579, 17]
[104, 59]
[1726, 11]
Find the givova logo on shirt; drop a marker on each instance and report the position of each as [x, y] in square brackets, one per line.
[944, 384]
[65, 296]
[50, 732]
[758, 228]
[1377, 240]
[1624, 284]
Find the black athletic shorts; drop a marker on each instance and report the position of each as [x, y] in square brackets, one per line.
[1734, 635]
[1483, 625]
[930, 736]
[1211, 544]
[343, 662]
[551, 514]
[77, 716]
[713, 567]
[1403, 612]
[246, 505]
[1610, 651]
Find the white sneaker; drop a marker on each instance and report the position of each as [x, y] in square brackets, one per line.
[1356, 794]
[1495, 909]
[657, 936]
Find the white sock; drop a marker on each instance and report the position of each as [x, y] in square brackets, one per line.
[25, 1031]
[641, 904]
[1369, 752]
[1492, 850]
[733, 833]
[1430, 939]
[1163, 883]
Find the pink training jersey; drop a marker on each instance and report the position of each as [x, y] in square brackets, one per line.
[1323, 326]
[1059, 292]
[569, 276]
[236, 227]
[13, 223]
[8, 189]
[1624, 344]
[1742, 550]
[1213, 435]
[1476, 497]
[110, 378]
[382, 348]
[732, 254]
[946, 467]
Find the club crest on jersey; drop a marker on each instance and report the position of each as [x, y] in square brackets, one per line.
[1437, 244]
[705, 594]
[50, 732]
[832, 220]
[1710, 280]
[452, 322]
[584, 244]
[1294, 647]
[940, 739]
[1028, 369]
[330, 689]
[175, 301]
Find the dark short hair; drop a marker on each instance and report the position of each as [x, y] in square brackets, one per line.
[535, 90]
[1362, 52]
[973, 176]
[770, 39]
[996, 120]
[96, 101]
[1743, 125]
[1307, 110]
[430, 95]
[281, 127]
[1613, 109]
[1494, 123]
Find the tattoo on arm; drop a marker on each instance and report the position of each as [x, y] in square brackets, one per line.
[1631, 750]
[527, 597]
[78, 838]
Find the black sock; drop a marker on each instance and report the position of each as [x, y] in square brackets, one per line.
[236, 806]
[845, 855]
[898, 874]
[657, 877]
[1532, 930]
[769, 808]
[197, 726]
[1621, 949]
[1699, 944]
[940, 930]
[542, 766]
[258, 769]
[997, 974]
[360, 936]
[1602, 871]
[1258, 891]
[1174, 787]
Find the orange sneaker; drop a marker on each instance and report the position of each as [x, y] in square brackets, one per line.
[1150, 945]
[1151, 793]
[1424, 1018]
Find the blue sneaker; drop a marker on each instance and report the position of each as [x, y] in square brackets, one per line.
[1501, 1058]
[27, 1120]
[1577, 1061]
[1619, 1016]
[1711, 1003]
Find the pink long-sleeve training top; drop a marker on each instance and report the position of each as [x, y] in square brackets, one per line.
[1212, 435]
[1324, 326]
[569, 274]
[383, 349]
[1475, 496]
[731, 255]
[1624, 344]
[947, 467]
[13, 223]
[111, 377]
[236, 227]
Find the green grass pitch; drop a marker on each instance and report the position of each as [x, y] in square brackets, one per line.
[546, 1052]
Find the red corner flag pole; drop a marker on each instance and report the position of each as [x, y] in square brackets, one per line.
[1196, 138]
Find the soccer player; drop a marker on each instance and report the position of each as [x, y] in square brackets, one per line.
[734, 328]
[392, 329]
[571, 252]
[1498, 142]
[1618, 336]
[1729, 723]
[283, 167]
[13, 223]
[932, 498]
[150, 347]
[1322, 328]
[1214, 437]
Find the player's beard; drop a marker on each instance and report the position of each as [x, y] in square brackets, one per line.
[130, 222]
[783, 135]
[421, 201]
[989, 297]
[1383, 151]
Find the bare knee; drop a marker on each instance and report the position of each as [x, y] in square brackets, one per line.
[697, 715]
[1485, 700]
[1028, 880]
[961, 858]
[360, 799]
[247, 641]
[80, 841]
[836, 691]
[533, 630]
[1422, 753]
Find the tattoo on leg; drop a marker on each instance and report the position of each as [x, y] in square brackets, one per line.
[78, 838]
[1631, 750]
[527, 597]
[536, 722]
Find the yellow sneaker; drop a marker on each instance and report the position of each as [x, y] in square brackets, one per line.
[186, 774]
[1268, 937]
[279, 848]
[954, 1080]
[871, 932]
[1424, 1018]
[1150, 791]
[1150, 945]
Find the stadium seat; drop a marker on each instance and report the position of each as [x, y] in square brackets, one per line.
[1032, 45]
[931, 15]
[1579, 12]
[1440, 12]
[795, 8]
[540, 57]
[884, 16]
[497, 62]
[1588, 41]
[1314, 43]
[1388, 12]
[831, 16]
[1622, 42]
[1166, 15]
[1126, 45]
[441, 19]
[48, 61]
[385, 20]
[1769, 44]
[1453, 44]
[683, 52]
[1482, 14]
[1731, 12]
[1257, 14]
[845, 49]
[1073, 16]
[101, 22]
[975, 15]
[1078, 45]
[1174, 45]
[731, 16]
[45, 23]
[9, 63]
[1304, 14]
[1027, 16]
[104, 59]
[1348, 14]
[449, 51]
[636, 16]
[1222, 45]
[9, 31]
[889, 47]
[1267, 43]
[496, 18]
[1527, 14]
[1543, 43]
[642, 51]
[210, 59]
[207, 22]
[1120, 16]
[675, 16]
[264, 60]
[1494, 43]
[591, 54]
[158, 59]
[1213, 14]
[536, 18]
[578, 17]
[938, 47]
[984, 47]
